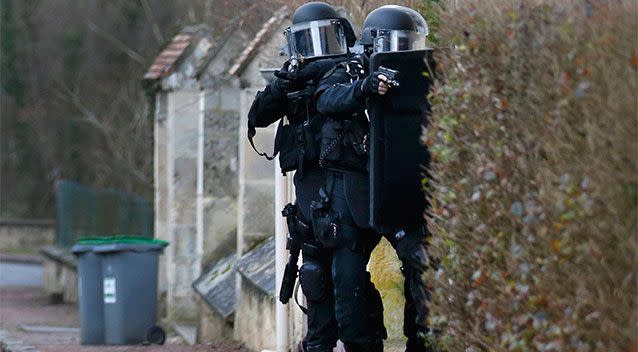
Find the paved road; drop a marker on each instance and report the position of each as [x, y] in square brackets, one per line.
[19, 274]
[24, 302]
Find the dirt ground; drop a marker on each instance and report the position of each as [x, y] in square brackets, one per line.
[29, 305]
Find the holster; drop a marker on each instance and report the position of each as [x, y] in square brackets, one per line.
[325, 221]
[298, 231]
[325, 224]
[298, 234]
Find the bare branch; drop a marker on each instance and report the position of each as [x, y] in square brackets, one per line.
[89, 117]
[153, 22]
[116, 43]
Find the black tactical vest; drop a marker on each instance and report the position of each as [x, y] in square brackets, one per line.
[344, 139]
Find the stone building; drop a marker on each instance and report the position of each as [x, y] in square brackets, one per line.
[225, 211]
[214, 199]
[177, 106]
[254, 317]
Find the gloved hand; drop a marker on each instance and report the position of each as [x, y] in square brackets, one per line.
[287, 72]
[282, 85]
[287, 78]
[300, 74]
[314, 70]
[374, 84]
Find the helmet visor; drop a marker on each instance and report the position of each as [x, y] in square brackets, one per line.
[394, 40]
[316, 38]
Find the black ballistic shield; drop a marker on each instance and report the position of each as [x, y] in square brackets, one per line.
[397, 157]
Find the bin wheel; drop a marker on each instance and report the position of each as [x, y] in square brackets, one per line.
[156, 335]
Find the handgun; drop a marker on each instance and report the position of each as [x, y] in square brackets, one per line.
[297, 229]
[293, 65]
[392, 76]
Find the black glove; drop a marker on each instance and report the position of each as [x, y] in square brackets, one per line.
[300, 75]
[287, 71]
[370, 85]
[313, 71]
[282, 86]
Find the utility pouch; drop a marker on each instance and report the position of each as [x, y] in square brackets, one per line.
[296, 144]
[355, 138]
[286, 145]
[324, 224]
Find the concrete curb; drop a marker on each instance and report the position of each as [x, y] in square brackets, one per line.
[21, 259]
[8, 344]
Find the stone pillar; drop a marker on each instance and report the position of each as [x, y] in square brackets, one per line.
[161, 185]
[182, 269]
[219, 172]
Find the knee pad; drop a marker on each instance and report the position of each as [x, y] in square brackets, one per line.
[313, 280]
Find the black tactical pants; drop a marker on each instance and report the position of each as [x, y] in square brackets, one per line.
[349, 298]
[317, 285]
[410, 246]
[358, 306]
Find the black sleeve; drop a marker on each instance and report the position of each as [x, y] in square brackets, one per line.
[337, 95]
[269, 106]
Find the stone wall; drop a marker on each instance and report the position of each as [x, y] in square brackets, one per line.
[220, 183]
[20, 235]
[211, 325]
[220, 150]
[257, 333]
[256, 182]
[256, 208]
[217, 197]
[257, 176]
[60, 280]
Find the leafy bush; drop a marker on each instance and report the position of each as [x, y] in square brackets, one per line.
[534, 188]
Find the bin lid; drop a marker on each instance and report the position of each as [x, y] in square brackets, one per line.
[117, 243]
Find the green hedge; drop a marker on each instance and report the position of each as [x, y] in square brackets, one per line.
[534, 189]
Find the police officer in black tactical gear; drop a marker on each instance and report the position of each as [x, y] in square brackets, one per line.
[342, 301]
[341, 97]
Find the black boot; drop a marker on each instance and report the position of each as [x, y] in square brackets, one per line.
[415, 344]
[317, 348]
[376, 346]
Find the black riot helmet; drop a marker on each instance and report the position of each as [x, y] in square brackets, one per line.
[317, 30]
[394, 28]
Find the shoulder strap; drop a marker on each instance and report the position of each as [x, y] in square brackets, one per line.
[268, 157]
[251, 134]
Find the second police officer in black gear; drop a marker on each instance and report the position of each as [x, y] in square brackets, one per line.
[317, 39]
[342, 95]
